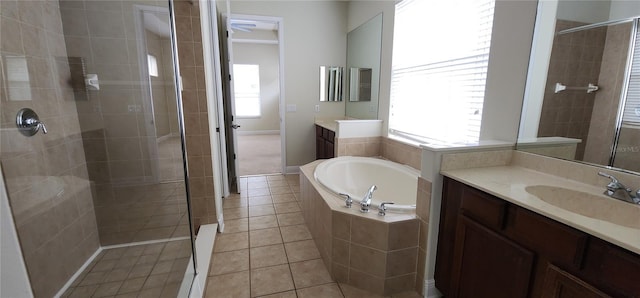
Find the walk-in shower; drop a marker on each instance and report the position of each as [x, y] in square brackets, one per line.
[95, 176]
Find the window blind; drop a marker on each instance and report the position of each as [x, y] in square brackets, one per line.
[631, 112]
[439, 69]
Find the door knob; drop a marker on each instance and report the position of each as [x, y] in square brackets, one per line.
[235, 126]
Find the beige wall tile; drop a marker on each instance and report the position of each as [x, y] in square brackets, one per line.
[399, 284]
[403, 234]
[369, 260]
[400, 262]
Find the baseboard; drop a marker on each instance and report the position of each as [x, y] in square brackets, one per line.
[204, 248]
[292, 170]
[430, 290]
[258, 132]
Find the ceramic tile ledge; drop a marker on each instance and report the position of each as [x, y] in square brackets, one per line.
[509, 182]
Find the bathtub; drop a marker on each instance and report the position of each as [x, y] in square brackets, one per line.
[354, 175]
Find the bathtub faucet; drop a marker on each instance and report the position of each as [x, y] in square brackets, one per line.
[366, 201]
[347, 199]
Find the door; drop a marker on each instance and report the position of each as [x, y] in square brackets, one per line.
[230, 109]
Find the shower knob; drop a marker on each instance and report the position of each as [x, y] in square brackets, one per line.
[29, 123]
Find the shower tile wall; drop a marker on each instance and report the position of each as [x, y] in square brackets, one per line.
[195, 111]
[605, 109]
[46, 175]
[575, 62]
[118, 126]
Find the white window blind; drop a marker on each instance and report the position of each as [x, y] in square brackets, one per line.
[631, 113]
[440, 58]
[246, 89]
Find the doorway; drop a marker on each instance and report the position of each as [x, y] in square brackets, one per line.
[255, 62]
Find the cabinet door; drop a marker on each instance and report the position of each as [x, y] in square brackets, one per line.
[329, 150]
[487, 264]
[320, 148]
[560, 284]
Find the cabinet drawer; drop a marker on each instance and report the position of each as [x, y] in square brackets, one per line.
[559, 243]
[319, 131]
[483, 208]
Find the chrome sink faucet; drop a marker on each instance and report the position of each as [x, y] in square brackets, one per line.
[366, 201]
[617, 190]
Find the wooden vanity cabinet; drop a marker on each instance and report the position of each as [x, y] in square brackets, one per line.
[488, 247]
[325, 140]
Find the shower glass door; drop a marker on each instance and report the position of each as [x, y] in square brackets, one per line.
[101, 182]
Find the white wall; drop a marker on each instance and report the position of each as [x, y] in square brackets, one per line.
[621, 9]
[14, 281]
[513, 24]
[267, 57]
[592, 11]
[314, 34]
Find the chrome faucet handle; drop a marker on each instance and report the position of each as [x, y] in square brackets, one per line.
[382, 210]
[41, 126]
[614, 184]
[348, 201]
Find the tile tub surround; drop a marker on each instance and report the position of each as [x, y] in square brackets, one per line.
[367, 251]
[509, 172]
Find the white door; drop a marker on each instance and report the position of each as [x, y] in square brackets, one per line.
[230, 110]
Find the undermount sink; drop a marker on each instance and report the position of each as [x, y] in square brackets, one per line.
[594, 206]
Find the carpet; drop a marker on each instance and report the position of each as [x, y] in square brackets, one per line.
[259, 154]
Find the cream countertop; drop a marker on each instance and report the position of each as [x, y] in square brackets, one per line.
[509, 183]
[328, 124]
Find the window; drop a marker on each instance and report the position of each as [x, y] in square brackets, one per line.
[247, 90]
[631, 113]
[440, 58]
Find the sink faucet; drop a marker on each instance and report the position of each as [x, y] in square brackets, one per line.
[617, 190]
[366, 201]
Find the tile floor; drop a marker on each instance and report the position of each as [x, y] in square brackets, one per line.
[150, 270]
[267, 250]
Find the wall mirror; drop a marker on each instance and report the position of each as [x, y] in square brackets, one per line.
[331, 80]
[583, 95]
[363, 62]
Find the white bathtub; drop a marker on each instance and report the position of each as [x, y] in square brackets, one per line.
[353, 175]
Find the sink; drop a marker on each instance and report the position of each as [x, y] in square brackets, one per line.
[590, 205]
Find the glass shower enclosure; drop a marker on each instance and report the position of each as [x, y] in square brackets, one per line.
[91, 146]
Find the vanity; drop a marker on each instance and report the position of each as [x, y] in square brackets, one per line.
[510, 230]
[325, 139]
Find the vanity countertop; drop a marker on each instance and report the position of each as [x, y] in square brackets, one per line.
[510, 182]
[328, 124]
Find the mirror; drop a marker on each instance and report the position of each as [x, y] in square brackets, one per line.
[331, 78]
[363, 61]
[360, 84]
[580, 102]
